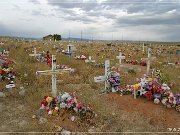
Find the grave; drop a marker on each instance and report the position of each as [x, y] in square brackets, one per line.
[54, 73]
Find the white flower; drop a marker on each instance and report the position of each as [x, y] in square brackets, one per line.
[156, 101]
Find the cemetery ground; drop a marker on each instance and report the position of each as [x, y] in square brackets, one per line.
[114, 113]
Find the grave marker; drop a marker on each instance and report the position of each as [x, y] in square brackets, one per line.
[120, 57]
[148, 61]
[71, 49]
[54, 73]
[103, 78]
[35, 53]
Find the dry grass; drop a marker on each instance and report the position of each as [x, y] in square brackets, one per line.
[82, 83]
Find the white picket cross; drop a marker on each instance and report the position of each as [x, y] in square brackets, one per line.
[120, 57]
[35, 53]
[54, 73]
[103, 78]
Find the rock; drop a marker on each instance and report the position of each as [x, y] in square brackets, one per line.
[34, 116]
[23, 123]
[72, 118]
[91, 129]
[20, 107]
[22, 93]
[113, 114]
[2, 94]
[42, 120]
[39, 113]
[59, 129]
[65, 132]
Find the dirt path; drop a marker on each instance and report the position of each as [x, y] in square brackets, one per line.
[158, 114]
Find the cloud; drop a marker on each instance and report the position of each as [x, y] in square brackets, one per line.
[151, 19]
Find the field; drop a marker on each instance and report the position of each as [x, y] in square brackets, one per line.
[113, 112]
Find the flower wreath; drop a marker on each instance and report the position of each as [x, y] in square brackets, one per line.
[114, 80]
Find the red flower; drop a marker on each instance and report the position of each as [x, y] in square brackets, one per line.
[44, 103]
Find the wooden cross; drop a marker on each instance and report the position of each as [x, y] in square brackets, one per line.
[104, 78]
[148, 59]
[143, 46]
[35, 53]
[120, 57]
[89, 60]
[54, 73]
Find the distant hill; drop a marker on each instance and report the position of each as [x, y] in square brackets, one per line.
[26, 38]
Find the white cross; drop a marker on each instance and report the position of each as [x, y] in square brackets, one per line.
[89, 60]
[148, 59]
[35, 53]
[104, 78]
[143, 47]
[120, 57]
[54, 73]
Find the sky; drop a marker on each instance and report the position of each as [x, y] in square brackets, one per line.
[147, 20]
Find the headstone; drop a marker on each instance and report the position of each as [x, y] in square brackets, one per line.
[71, 49]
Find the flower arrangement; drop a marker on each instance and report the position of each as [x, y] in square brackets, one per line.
[65, 101]
[153, 90]
[114, 81]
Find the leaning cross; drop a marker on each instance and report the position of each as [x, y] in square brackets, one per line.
[54, 73]
[104, 78]
[120, 57]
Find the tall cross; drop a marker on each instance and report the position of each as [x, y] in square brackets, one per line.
[148, 61]
[143, 46]
[120, 57]
[54, 73]
[104, 78]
